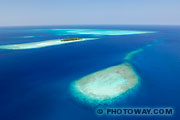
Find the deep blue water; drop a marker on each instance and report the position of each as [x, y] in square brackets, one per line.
[35, 83]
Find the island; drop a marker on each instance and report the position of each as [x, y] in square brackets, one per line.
[71, 39]
[41, 44]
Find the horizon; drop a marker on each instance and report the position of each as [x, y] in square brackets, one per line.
[93, 25]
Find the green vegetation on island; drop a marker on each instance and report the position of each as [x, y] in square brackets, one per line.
[71, 39]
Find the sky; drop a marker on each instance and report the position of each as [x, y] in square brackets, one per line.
[89, 12]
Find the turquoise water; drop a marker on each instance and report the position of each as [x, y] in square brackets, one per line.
[35, 83]
[35, 45]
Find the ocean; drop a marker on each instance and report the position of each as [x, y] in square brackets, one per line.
[35, 84]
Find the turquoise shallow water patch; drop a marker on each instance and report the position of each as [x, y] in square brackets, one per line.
[107, 84]
[131, 54]
[41, 44]
[99, 32]
[25, 37]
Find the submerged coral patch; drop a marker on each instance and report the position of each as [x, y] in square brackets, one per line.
[107, 84]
